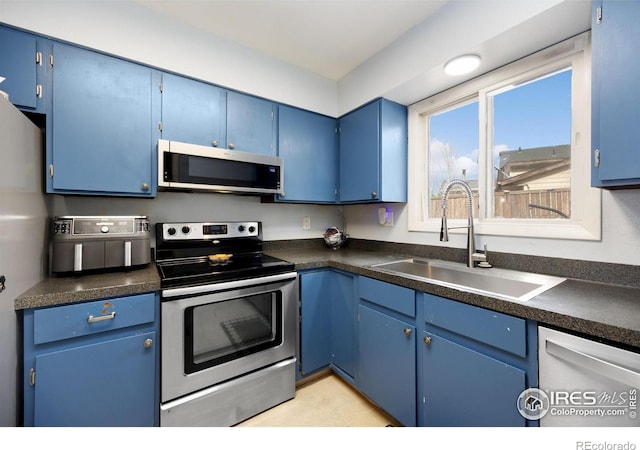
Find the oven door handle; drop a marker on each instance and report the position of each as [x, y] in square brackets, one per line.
[216, 287]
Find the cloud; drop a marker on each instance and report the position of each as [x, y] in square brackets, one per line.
[444, 164]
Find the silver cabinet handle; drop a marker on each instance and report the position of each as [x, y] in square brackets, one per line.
[597, 365]
[407, 331]
[374, 194]
[231, 145]
[215, 143]
[77, 257]
[145, 186]
[148, 343]
[427, 340]
[127, 253]
[92, 319]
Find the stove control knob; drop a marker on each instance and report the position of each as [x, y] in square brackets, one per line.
[104, 229]
[171, 231]
[252, 229]
[241, 228]
[186, 230]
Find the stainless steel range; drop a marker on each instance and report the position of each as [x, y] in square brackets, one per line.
[229, 323]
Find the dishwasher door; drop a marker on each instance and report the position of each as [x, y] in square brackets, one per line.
[586, 383]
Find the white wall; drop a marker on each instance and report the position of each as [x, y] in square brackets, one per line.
[500, 31]
[280, 221]
[620, 241]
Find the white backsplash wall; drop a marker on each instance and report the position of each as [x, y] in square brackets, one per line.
[620, 233]
[279, 221]
[620, 222]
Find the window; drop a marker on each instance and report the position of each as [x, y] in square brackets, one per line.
[520, 137]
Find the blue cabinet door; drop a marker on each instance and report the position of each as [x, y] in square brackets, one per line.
[315, 325]
[615, 98]
[464, 388]
[373, 153]
[387, 363]
[193, 111]
[104, 125]
[343, 322]
[308, 144]
[103, 384]
[360, 154]
[20, 68]
[251, 124]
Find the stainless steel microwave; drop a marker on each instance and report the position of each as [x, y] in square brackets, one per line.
[189, 166]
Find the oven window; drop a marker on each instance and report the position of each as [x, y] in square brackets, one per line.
[222, 331]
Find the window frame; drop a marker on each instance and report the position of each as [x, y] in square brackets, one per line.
[586, 201]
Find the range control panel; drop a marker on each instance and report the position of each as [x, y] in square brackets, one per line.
[181, 231]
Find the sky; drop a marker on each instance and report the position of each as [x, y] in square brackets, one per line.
[534, 114]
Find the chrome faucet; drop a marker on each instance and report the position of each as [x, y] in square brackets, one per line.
[472, 256]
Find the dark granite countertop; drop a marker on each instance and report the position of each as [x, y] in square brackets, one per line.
[59, 290]
[604, 311]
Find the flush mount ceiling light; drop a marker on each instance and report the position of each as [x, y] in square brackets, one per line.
[462, 64]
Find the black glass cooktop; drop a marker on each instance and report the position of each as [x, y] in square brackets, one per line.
[198, 271]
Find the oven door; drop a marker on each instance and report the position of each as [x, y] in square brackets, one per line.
[218, 332]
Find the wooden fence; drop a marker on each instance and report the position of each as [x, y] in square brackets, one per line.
[543, 204]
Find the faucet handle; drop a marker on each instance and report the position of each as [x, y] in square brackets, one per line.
[444, 230]
[481, 258]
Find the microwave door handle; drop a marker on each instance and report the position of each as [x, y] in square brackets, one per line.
[127, 253]
[594, 364]
[77, 258]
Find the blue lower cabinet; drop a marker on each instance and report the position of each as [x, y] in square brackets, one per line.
[315, 321]
[465, 388]
[328, 323]
[473, 365]
[92, 364]
[343, 322]
[103, 384]
[387, 363]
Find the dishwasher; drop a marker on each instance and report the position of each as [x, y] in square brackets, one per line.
[584, 383]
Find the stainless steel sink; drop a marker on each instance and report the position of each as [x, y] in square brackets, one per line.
[492, 282]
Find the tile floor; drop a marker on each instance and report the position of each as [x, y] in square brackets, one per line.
[324, 402]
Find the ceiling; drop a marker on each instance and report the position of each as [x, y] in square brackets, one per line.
[326, 37]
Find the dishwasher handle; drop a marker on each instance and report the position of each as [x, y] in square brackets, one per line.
[594, 364]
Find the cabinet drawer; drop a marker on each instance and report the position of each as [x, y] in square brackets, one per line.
[489, 327]
[64, 322]
[396, 298]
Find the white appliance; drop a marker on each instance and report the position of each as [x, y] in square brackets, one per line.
[23, 228]
[586, 383]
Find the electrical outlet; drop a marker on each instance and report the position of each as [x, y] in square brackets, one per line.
[306, 223]
[388, 222]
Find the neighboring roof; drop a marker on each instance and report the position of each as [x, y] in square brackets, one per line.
[534, 154]
[518, 167]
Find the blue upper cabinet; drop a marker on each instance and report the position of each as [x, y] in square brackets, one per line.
[103, 129]
[251, 124]
[308, 144]
[23, 62]
[193, 111]
[615, 98]
[373, 153]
